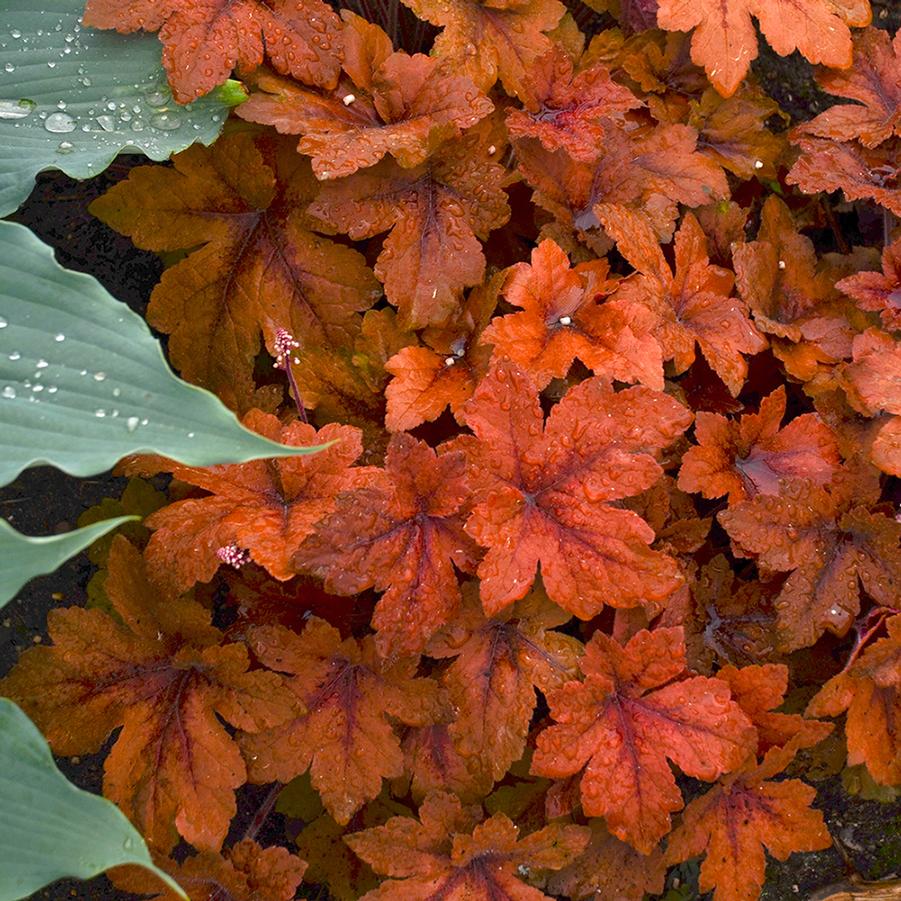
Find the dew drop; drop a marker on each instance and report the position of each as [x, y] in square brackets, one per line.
[132, 423]
[3, 322]
[65, 147]
[16, 109]
[99, 376]
[107, 123]
[59, 337]
[9, 391]
[100, 414]
[15, 355]
[9, 67]
[117, 392]
[165, 122]
[42, 364]
[59, 123]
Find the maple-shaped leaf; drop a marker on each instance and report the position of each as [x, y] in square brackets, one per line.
[163, 673]
[491, 41]
[547, 492]
[445, 369]
[861, 173]
[449, 854]
[622, 725]
[874, 81]
[436, 213]
[692, 304]
[870, 691]
[749, 456]
[831, 545]
[650, 172]
[879, 292]
[562, 320]
[736, 819]
[499, 662]
[724, 224]
[203, 42]
[265, 507]
[609, 868]
[245, 872]
[401, 532]
[393, 103]
[733, 133]
[257, 266]
[567, 110]
[759, 690]
[725, 42]
[349, 698]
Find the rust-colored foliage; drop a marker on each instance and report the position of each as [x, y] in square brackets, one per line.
[604, 345]
[203, 40]
[725, 42]
[258, 266]
[749, 456]
[404, 105]
[401, 532]
[164, 674]
[733, 822]
[637, 709]
[266, 508]
[546, 491]
[450, 854]
[870, 690]
[340, 729]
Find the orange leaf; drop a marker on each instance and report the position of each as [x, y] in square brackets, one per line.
[609, 869]
[879, 292]
[444, 372]
[758, 690]
[345, 738]
[245, 872]
[486, 42]
[436, 213]
[567, 110]
[438, 857]
[862, 174]
[562, 320]
[874, 81]
[650, 172]
[547, 492]
[395, 103]
[266, 507]
[165, 676]
[627, 720]
[749, 456]
[733, 822]
[725, 42]
[203, 42]
[829, 542]
[691, 304]
[258, 267]
[499, 662]
[401, 532]
[871, 693]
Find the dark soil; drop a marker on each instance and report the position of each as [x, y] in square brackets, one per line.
[44, 501]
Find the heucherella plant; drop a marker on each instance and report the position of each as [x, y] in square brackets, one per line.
[523, 519]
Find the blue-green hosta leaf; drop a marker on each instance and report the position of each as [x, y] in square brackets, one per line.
[71, 98]
[23, 557]
[83, 383]
[49, 828]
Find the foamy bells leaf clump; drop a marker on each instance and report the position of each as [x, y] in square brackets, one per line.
[83, 383]
[72, 98]
[50, 828]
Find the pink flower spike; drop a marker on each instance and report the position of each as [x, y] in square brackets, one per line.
[233, 555]
[285, 345]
